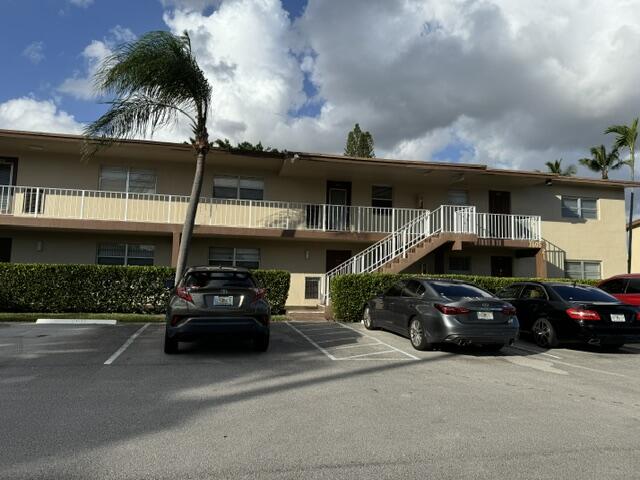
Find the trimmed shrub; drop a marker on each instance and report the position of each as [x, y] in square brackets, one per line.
[349, 293]
[104, 289]
[277, 283]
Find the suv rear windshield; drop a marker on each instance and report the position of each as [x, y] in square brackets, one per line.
[219, 280]
[583, 294]
[457, 290]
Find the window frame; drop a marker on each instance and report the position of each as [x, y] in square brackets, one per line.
[458, 191]
[127, 179]
[126, 256]
[307, 286]
[457, 257]
[579, 207]
[582, 269]
[375, 198]
[234, 261]
[238, 181]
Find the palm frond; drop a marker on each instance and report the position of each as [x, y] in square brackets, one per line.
[152, 81]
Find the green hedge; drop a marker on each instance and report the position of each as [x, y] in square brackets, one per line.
[349, 293]
[104, 289]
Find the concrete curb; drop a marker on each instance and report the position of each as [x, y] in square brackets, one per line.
[73, 321]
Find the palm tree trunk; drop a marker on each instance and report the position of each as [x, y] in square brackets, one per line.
[190, 219]
[630, 233]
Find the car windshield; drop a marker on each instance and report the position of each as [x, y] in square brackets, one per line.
[458, 290]
[219, 280]
[577, 293]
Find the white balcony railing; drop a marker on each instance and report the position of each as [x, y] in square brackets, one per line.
[64, 203]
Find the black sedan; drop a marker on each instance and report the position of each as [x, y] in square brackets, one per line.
[554, 312]
[432, 312]
[213, 301]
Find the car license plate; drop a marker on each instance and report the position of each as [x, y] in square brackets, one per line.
[222, 301]
[617, 318]
[485, 315]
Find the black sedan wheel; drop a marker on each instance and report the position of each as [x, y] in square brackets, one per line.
[544, 334]
[367, 320]
[170, 345]
[418, 336]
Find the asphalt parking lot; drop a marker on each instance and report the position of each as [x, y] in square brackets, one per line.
[326, 401]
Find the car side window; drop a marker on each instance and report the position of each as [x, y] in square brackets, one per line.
[413, 289]
[533, 292]
[633, 287]
[509, 292]
[617, 285]
[395, 290]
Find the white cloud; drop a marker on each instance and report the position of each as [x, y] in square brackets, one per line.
[519, 83]
[34, 52]
[81, 3]
[80, 85]
[27, 113]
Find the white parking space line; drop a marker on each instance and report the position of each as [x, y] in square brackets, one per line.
[366, 355]
[126, 344]
[390, 346]
[322, 338]
[339, 339]
[341, 347]
[312, 342]
[531, 350]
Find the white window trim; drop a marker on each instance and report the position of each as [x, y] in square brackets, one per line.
[379, 198]
[235, 254]
[582, 270]
[580, 199]
[238, 178]
[305, 287]
[126, 252]
[127, 181]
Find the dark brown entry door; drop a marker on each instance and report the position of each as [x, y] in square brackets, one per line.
[336, 257]
[338, 199]
[501, 267]
[5, 249]
[7, 177]
[499, 203]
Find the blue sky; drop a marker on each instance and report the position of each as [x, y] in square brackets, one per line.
[495, 82]
[59, 30]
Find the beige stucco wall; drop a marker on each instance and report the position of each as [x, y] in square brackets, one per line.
[602, 239]
[59, 247]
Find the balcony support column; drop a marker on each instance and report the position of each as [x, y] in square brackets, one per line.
[541, 263]
[175, 248]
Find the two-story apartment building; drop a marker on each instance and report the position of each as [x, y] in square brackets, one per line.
[306, 213]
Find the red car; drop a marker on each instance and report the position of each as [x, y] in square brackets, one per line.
[625, 288]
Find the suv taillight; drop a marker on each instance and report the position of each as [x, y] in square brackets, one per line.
[184, 294]
[582, 314]
[447, 310]
[261, 294]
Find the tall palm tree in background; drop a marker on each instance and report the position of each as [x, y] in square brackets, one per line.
[602, 162]
[626, 136]
[556, 167]
[155, 80]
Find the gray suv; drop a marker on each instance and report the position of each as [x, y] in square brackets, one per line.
[214, 301]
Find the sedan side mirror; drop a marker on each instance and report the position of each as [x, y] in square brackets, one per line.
[170, 283]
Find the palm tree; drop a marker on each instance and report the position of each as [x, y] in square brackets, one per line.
[556, 167]
[626, 136]
[602, 162]
[155, 80]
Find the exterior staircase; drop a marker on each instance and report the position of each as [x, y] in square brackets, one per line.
[409, 243]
